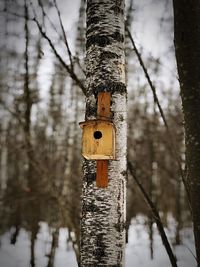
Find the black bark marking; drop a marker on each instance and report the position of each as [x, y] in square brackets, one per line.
[112, 87]
[119, 256]
[108, 55]
[121, 118]
[120, 226]
[117, 9]
[100, 251]
[90, 111]
[100, 40]
[91, 6]
[124, 173]
[91, 207]
[103, 40]
[90, 178]
[118, 36]
[95, 28]
[93, 20]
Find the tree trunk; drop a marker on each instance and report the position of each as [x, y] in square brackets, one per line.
[103, 222]
[27, 103]
[4, 155]
[54, 244]
[187, 46]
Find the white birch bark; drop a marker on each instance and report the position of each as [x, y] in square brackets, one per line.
[103, 210]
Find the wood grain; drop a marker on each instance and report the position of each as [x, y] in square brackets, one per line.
[102, 173]
[103, 112]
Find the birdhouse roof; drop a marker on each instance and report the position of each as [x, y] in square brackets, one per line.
[94, 122]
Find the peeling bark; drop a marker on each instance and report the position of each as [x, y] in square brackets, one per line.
[103, 224]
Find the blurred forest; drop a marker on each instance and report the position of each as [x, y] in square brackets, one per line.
[42, 101]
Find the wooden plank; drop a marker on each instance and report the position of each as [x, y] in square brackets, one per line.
[103, 112]
[103, 106]
[102, 173]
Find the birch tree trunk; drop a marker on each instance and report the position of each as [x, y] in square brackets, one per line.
[187, 46]
[103, 222]
[28, 104]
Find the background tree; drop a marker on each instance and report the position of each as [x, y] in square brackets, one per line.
[187, 46]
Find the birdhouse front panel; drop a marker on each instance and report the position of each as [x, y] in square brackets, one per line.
[98, 139]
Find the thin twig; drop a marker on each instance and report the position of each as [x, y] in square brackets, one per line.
[45, 15]
[69, 70]
[190, 252]
[12, 13]
[64, 34]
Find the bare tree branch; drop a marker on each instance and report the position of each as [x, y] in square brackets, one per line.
[45, 36]
[153, 89]
[69, 70]
[64, 34]
[156, 217]
[45, 15]
[12, 13]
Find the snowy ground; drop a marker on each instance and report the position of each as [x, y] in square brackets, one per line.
[137, 250]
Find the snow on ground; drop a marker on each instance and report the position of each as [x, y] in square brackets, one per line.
[137, 250]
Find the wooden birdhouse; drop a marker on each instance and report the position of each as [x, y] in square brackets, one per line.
[98, 140]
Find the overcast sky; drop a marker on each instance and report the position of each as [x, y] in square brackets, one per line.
[152, 29]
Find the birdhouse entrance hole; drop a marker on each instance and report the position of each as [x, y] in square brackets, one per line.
[97, 135]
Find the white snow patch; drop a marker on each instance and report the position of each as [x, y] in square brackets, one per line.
[137, 250]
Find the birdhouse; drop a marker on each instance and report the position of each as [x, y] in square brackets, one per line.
[98, 140]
